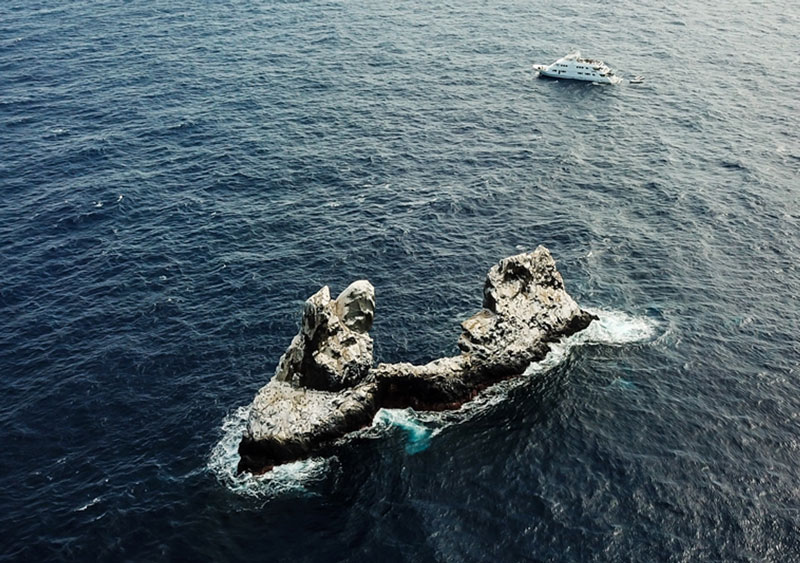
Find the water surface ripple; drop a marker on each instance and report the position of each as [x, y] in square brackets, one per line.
[178, 177]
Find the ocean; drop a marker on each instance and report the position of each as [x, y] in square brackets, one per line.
[179, 176]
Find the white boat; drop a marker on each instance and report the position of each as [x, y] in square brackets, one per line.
[575, 67]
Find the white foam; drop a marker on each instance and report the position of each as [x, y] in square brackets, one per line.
[616, 328]
[558, 353]
[289, 478]
[91, 503]
[611, 328]
[418, 434]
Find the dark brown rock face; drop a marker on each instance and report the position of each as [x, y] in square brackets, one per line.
[325, 385]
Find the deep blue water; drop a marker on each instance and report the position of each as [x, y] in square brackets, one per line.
[177, 177]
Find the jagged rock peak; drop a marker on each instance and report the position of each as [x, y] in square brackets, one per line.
[355, 306]
[520, 278]
[524, 305]
[333, 349]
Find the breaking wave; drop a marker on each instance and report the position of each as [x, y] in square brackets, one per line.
[287, 479]
[612, 328]
[417, 432]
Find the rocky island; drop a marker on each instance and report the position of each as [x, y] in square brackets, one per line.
[326, 386]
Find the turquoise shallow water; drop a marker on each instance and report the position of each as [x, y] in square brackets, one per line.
[178, 177]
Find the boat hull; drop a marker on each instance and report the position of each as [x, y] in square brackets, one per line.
[596, 79]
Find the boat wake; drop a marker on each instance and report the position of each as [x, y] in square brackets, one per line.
[613, 328]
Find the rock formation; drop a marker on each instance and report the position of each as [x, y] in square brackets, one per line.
[333, 349]
[325, 385]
